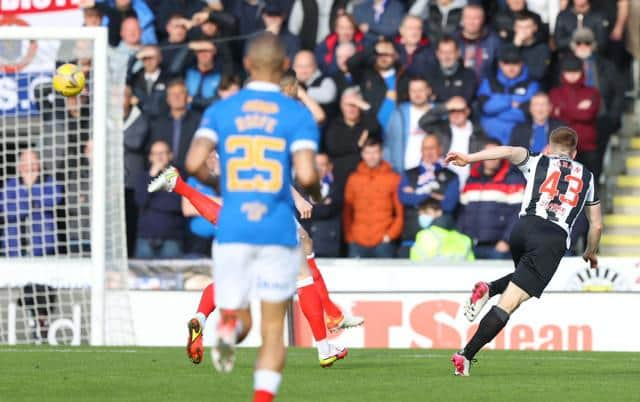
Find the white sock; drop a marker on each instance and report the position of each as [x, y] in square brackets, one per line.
[202, 319]
[304, 282]
[323, 347]
[266, 380]
[310, 256]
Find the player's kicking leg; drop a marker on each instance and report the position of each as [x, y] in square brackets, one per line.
[170, 180]
[490, 326]
[481, 293]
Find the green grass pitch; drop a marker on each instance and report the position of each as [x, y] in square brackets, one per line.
[49, 374]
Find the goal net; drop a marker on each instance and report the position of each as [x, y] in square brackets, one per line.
[63, 273]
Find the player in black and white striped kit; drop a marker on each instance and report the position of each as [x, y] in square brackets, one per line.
[558, 189]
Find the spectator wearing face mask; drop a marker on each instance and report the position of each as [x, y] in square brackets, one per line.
[438, 239]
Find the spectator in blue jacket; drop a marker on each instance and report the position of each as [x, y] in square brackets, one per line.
[27, 206]
[490, 202]
[504, 97]
[160, 221]
[202, 80]
[431, 179]
[479, 45]
[403, 135]
[379, 17]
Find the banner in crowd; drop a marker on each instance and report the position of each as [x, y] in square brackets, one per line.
[24, 64]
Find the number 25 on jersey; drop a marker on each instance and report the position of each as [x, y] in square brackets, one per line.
[253, 170]
[572, 193]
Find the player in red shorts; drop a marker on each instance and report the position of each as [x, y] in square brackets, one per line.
[313, 295]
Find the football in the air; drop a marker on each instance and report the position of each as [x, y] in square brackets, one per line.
[69, 80]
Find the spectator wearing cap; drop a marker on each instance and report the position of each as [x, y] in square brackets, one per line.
[430, 179]
[379, 17]
[478, 44]
[535, 54]
[372, 215]
[178, 126]
[534, 134]
[599, 73]
[117, 11]
[449, 77]
[489, 206]
[503, 21]
[414, 53]
[403, 134]
[504, 97]
[457, 133]
[577, 105]
[580, 15]
[149, 85]
[320, 87]
[203, 79]
[377, 76]
[273, 16]
[346, 134]
[345, 31]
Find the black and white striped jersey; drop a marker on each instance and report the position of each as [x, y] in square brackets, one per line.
[557, 189]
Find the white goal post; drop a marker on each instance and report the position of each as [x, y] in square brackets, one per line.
[63, 272]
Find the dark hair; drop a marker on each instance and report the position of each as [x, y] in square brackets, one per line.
[430, 203]
[175, 15]
[446, 39]
[419, 77]
[492, 141]
[175, 82]
[228, 80]
[372, 142]
[525, 15]
[351, 19]
[93, 11]
[564, 138]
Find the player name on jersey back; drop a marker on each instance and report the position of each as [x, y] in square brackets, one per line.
[256, 131]
[557, 189]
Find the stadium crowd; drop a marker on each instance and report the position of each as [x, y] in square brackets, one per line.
[394, 85]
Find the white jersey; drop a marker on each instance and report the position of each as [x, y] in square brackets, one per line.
[557, 189]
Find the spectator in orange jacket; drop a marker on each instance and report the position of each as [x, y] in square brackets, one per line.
[372, 215]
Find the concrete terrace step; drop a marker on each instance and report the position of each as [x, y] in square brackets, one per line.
[621, 241]
[626, 204]
[628, 181]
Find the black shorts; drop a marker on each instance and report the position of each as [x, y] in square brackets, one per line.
[537, 246]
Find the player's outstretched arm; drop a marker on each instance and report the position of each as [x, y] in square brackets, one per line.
[515, 155]
[594, 216]
[196, 161]
[306, 173]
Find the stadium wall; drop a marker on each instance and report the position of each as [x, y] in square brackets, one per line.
[409, 306]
